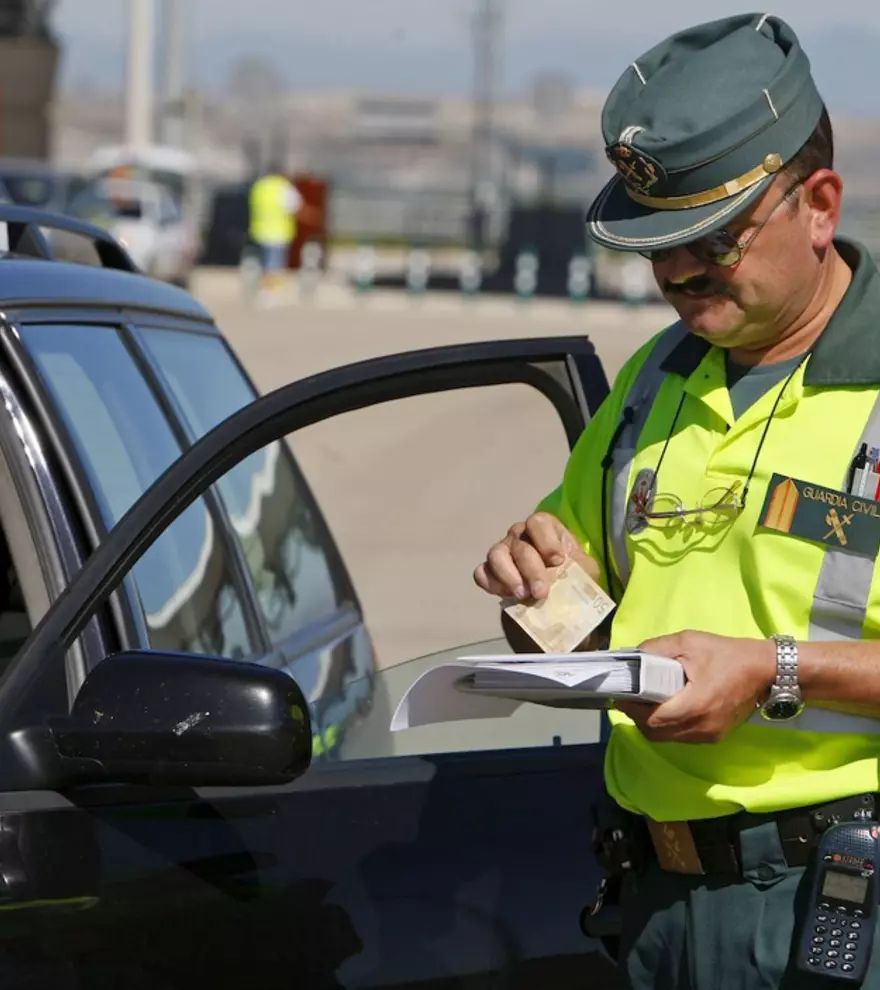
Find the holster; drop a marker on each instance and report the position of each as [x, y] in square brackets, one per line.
[618, 842]
[619, 849]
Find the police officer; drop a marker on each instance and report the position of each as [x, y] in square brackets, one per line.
[725, 496]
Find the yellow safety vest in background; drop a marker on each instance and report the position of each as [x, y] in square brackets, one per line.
[739, 578]
[271, 220]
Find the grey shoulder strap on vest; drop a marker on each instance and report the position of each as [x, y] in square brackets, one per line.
[840, 602]
[636, 409]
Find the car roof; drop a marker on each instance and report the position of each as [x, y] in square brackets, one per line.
[115, 185]
[35, 282]
[150, 156]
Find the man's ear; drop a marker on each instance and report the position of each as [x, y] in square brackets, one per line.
[824, 194]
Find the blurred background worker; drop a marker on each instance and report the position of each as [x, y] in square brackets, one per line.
[274, 203]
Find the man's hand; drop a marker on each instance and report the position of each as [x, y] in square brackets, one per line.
[725, 679]
[521, 564]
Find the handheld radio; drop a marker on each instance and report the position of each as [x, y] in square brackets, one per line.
[838, 930]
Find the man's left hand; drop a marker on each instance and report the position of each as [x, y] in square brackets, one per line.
[725, 679]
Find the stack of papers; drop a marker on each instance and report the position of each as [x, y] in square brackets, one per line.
[495, 686]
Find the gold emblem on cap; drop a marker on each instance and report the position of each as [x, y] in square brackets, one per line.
[772, 163]
[638, 171]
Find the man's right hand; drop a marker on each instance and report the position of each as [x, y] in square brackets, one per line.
[521, 565]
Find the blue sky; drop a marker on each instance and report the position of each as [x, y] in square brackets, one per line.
[423, 45]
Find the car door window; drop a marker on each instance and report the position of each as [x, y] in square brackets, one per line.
[124, 442]
[294, 568]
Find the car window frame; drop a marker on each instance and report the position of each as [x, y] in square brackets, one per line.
[42, 530]
[66, 548]
[302, 483]
[563, 369]
[222, 524]
[329, 546]
[124, 612]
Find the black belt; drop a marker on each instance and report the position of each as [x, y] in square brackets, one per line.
[713, 845]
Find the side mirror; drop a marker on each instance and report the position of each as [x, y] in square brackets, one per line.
[167, 718]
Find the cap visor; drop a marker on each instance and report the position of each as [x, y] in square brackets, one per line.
[618, 222]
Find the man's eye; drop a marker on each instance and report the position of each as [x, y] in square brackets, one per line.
[726, 256]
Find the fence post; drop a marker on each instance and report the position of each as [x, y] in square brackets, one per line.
[418, 271]
[634, 281]
[364, 268]
[525, 280]
[250, 272]
[470, 276]
[311, 258]
[580, 270]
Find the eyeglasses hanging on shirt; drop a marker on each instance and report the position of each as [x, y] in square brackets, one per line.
[664, 509]
[720, 504]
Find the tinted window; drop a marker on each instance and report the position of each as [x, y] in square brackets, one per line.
[29, 190]
[124, 443]
[129, 209]
[87, 205]
[294, 571]
[95, 204]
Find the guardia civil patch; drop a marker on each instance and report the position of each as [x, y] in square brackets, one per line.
[823, 515]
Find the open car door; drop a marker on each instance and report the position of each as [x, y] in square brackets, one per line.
[168, 830]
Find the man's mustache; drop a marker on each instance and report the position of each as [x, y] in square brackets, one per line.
[699, 284]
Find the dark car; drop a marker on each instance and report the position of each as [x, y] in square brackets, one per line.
[36, 184]
[199, 788]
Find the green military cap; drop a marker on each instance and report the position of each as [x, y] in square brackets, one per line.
[697, 127]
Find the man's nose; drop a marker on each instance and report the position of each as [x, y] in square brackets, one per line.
[681, 265]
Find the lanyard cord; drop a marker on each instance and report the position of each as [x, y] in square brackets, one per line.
[767, 428]
[666, 444]
[627, 417]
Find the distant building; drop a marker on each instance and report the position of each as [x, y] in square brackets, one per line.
[28, 66]
[401, 166]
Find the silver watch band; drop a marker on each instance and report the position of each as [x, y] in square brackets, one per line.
[784, 701]
[786, 661]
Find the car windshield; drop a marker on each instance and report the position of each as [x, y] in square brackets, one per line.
[94, 204]
[128, 209]
[530, 726]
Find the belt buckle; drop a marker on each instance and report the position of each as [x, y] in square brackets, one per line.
[675, 847]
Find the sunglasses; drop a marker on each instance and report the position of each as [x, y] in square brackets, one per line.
[721, 248]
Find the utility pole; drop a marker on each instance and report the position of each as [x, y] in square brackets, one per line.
[175, 21]
[139, 85]
[486, 31]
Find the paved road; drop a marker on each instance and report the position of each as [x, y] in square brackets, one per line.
[415, 491]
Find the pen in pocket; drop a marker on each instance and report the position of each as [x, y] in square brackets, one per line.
[859, 463]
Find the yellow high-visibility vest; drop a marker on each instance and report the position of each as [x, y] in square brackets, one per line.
[271, 220]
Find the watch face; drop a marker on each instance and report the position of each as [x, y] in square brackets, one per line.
[783, 707]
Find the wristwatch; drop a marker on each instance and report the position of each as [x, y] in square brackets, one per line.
[785, 701]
